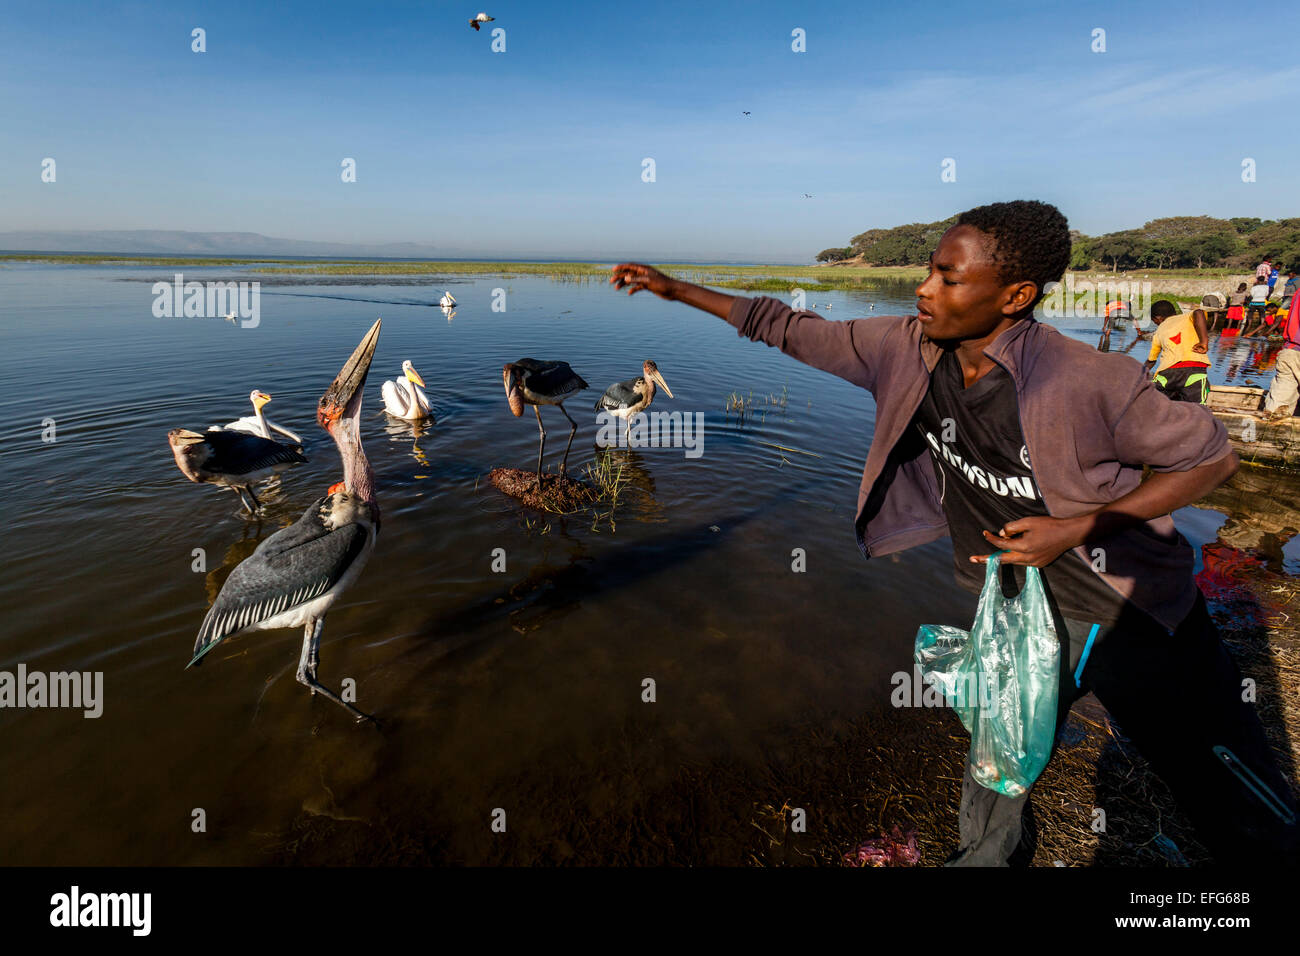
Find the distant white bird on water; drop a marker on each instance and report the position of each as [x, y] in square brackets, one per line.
[229, 317]
[481, 18]
[404, 398]
[448, 301]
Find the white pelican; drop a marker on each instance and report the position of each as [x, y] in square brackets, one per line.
[530, 382]
[625, 399]
[481, 18]
[448, 301]
[257, 423]
[404, 397]
[296, 574]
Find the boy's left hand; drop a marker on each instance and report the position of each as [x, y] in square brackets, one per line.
[1035, 541]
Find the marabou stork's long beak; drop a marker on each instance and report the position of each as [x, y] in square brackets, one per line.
[659, 380]
[339, 413]
[509, 376]
[342, 400]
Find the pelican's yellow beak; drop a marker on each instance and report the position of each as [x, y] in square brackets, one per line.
[262, 399]
[414, 376]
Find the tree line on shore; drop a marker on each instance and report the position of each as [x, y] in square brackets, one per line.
[1174, 242]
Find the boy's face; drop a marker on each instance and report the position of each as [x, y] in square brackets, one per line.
[963, 298]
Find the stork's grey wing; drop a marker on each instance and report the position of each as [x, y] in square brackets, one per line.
[289, 568]
[237, 453]
[556, 378]
[619, 395]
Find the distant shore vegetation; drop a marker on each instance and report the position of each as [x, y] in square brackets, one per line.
[1174, 242]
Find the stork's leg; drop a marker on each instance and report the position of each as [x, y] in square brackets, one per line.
[541, 447]
[308, 661]
[245, 496]
[573, 427]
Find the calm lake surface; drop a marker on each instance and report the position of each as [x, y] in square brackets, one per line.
[487, 681]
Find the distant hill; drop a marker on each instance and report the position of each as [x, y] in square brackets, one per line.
[179, 243]
[1174, 242]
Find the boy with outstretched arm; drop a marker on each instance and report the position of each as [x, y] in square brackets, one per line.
[1003, 434]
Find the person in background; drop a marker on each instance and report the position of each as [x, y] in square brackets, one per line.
[1180, 344]
[1264, 268]
[1237, 308]
[1116, 312]
[1284, 390]
[1272, 279]
[1289, 288]
[1272, 322]
[1258, 299]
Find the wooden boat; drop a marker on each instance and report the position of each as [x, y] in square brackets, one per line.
[1257, 442]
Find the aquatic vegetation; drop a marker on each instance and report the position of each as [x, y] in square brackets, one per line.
[745, 406]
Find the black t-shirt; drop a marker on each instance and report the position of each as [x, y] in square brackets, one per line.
[985, 481]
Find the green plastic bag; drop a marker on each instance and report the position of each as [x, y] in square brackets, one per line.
[1001, 678]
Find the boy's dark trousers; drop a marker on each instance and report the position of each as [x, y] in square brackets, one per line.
[1177, 697]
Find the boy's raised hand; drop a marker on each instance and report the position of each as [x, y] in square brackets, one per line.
[634, 276]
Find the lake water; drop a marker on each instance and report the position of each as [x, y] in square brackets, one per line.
[486, 681]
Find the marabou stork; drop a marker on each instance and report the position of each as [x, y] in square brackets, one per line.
[258, 423]
[535, 383]
[404, 398]
[232, 459]
[296, 574]
[625, 399]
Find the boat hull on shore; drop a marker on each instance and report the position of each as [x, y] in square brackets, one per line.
[1257, 442]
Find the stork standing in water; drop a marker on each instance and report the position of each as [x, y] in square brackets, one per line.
[404, 397]
[626, 399]
[231, 459]
[257, 423]
[530, 382]
[296, 574]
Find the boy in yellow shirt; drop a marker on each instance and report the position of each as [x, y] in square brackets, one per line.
[1179, 343]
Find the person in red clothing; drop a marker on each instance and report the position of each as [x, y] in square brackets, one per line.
[1284, 391]
[1049, 442]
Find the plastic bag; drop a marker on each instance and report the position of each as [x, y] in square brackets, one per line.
[1001, 678]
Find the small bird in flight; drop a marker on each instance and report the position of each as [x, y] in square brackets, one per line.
[481, 18]
[746, 112]
[807, 195]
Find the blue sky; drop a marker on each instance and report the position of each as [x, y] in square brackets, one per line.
[537, 151]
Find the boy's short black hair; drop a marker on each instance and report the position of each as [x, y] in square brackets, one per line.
[1031, 240]
[1162, 309]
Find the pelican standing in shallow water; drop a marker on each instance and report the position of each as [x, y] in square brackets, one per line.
[258, 423]
[296, 574]
[232, 459]
[448, 301]
[626, 399]
[404, 398]
[530, 382]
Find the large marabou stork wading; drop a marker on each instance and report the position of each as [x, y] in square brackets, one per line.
[626, 399]
[297, 574]
[257, 423]
[535, 383]
[231, 459]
